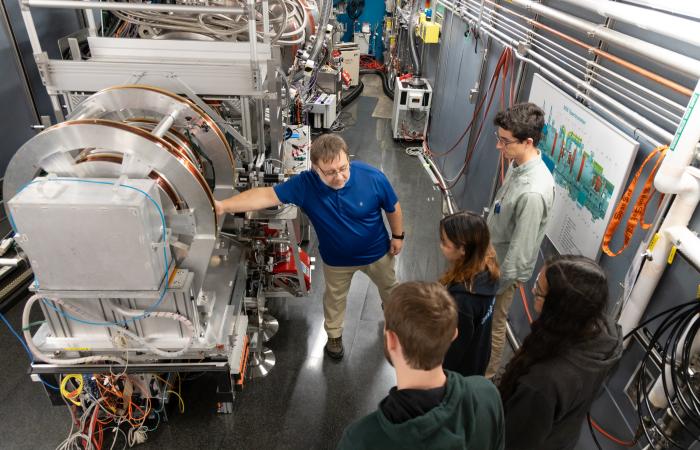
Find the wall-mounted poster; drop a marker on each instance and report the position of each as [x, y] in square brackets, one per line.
[590, 160]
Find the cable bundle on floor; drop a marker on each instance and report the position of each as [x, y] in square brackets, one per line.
[673, 339]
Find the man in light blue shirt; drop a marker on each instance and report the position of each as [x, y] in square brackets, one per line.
[520, 212]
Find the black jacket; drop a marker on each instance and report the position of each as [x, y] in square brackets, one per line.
[550, 402]
[469, 354]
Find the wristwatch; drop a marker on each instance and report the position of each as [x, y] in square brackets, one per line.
[401, 236]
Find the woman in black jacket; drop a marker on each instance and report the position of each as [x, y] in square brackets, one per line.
[549, 385]
[472, 279]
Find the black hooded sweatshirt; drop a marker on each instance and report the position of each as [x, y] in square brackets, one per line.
[550, 402]
[469, 354]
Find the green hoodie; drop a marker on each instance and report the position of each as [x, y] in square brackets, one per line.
[470, 417]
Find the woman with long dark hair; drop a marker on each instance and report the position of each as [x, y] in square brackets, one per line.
[472, 280]
[549, 385]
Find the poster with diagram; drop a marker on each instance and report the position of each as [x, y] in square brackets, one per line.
[590, 160]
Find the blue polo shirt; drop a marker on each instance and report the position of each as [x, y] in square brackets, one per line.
[348, 221]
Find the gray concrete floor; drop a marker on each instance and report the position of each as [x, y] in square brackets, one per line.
[307, 400]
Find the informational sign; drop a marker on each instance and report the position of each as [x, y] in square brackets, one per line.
[590, 160]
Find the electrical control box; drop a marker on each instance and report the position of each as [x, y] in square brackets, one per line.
[412, 100]
[351, 61]
[91, 234]
[429, 32]
[322, 110]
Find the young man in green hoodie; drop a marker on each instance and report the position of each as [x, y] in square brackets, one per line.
[429, 408]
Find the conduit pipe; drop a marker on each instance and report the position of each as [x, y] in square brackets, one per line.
[674, 177]
[657, 22]
[412, 38]
[553, 48]
[325, 12]
[676, 61]
[593, 49]
[508, 41]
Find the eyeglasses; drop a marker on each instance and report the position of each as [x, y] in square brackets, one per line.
[504, 142]
[332, 173]
[537, 292]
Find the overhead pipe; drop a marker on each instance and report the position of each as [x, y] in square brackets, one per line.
[674, 27]
[325, 12]
[592, 49]
[523, 32]
[610, 85]
[673, 60]
[511, 42]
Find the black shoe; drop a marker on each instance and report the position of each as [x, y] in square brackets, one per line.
[334, 348]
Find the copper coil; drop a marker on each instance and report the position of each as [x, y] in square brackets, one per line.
[192, 155]
[176, 152]
[205, 117]
[117, 158]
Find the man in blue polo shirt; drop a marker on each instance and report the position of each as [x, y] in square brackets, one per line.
[344, 201]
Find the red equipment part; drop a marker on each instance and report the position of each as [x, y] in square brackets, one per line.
[287, 266]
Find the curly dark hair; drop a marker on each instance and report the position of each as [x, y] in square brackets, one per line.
[573, 311]
[524, 120]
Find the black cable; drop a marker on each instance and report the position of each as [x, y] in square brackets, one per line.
[354, 10]
[674, 316]
[352, 95]
[664, 312]
[203, 155]
[673, 338]
[590, 427]
[388, 90]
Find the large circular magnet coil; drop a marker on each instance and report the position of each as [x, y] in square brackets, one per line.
[193, 131]
[104, 148]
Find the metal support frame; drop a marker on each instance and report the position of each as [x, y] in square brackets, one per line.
[192, 95]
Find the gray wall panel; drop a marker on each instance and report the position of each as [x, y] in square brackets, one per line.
[18, 114]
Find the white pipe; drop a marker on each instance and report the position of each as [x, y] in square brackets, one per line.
[674, 177]
[674, 60]
[682, 7]
[665, 24]
[10, 261]
[681, 152]
[678, 215]
[686, 241]
[166, 122]
[118, 6]
[76, 311]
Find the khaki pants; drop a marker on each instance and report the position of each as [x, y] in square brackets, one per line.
[381, 272]
[498, 329]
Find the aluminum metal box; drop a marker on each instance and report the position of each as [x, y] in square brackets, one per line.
[80, 235]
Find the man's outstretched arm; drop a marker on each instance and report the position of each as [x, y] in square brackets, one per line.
[250, 200]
